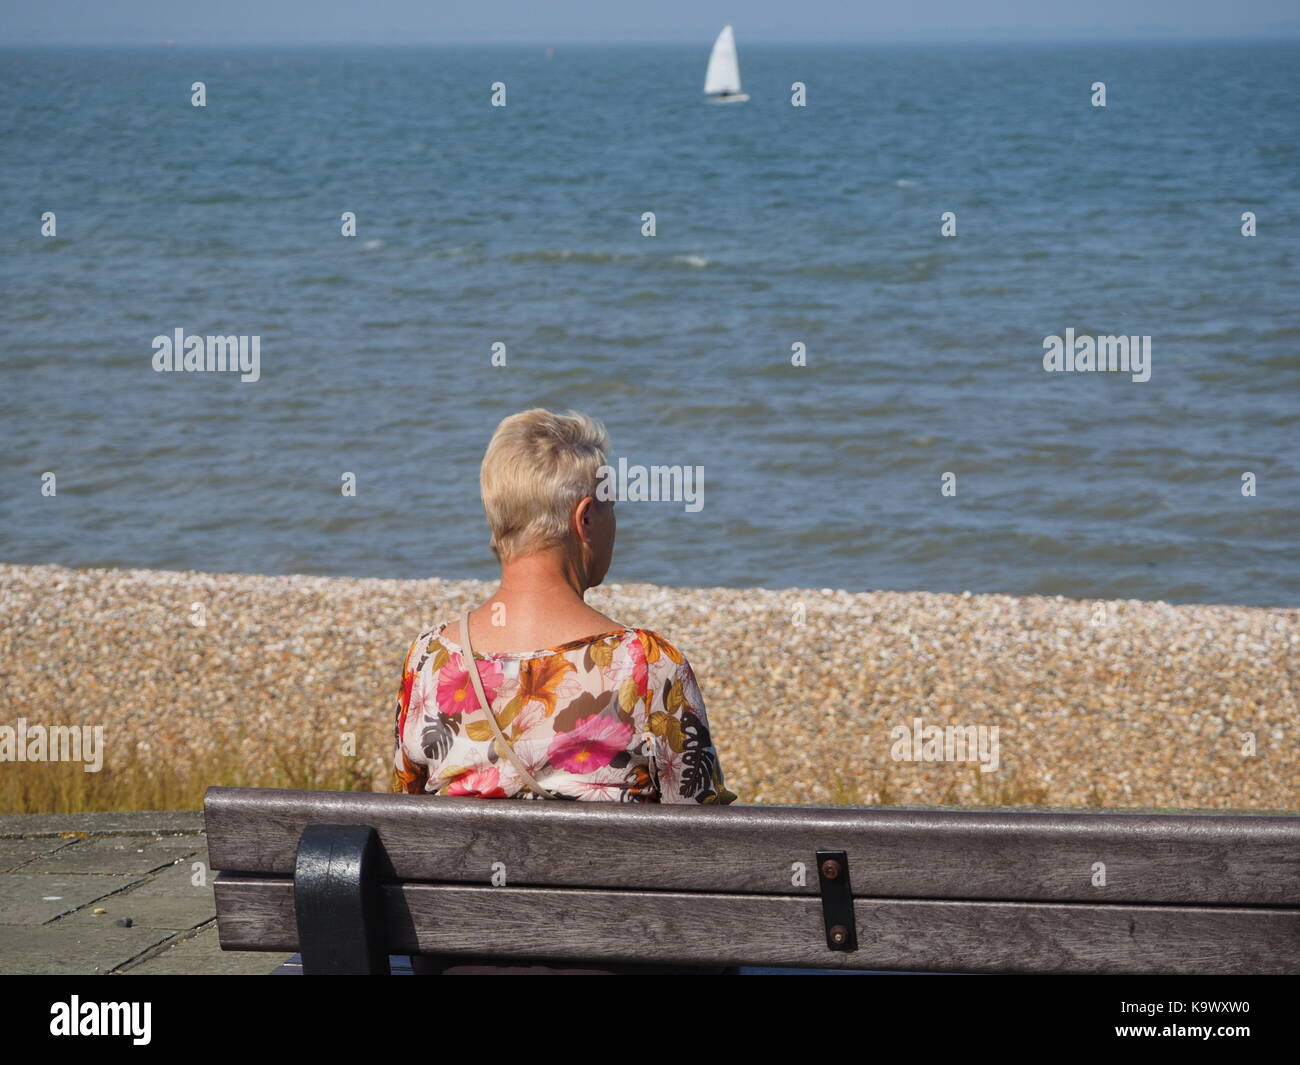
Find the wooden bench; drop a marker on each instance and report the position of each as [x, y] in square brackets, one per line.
[349, 878]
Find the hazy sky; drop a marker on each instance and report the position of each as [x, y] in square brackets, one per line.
[564, 21]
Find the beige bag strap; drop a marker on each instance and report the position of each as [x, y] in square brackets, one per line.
[503, 745]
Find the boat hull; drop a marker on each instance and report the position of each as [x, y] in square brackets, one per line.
[728, 98]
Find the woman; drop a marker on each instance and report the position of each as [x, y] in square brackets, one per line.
[578, 706]
[602, 712]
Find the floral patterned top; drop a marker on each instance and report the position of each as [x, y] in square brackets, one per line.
[616, 717]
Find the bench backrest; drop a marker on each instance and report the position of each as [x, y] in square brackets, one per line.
[915, 890]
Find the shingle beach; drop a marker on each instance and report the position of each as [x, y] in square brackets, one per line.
[1121, 704]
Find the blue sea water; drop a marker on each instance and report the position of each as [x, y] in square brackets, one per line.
[775, 225]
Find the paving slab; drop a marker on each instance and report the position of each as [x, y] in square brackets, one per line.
[56, 870]
[177, 880]
[59, 949]
[15, 853]
[166, 912]
[98, 823]
[201, 954]
[35, 898]
[112, 854]
[186, 842]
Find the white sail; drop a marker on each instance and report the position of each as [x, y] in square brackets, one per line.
[723, 75]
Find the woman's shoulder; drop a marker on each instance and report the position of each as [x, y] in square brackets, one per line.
[658, 648]
[421, 647]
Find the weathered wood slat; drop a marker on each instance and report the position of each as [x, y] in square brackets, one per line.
[993, 855]
[894, 934]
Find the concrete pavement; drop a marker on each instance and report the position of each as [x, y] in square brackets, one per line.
[111, 893]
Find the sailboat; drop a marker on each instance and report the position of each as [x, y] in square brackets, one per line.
[722, 79]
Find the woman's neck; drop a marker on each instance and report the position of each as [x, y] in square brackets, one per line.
[550, 574]
[539, 604]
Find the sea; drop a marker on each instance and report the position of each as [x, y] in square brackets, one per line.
[837, 315]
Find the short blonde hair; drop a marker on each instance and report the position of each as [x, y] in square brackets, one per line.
[537, 467]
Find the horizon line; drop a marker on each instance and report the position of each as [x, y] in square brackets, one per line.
[1290, 34]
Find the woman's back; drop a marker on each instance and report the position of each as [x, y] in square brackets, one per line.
[615, 716]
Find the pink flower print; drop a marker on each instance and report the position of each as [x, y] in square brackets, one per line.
[456, 693]
[640, 671]
[422, 697]
[531, 752]
[532, 715]
[592, 744]
[622, 666]
[668, 769]
[605, 785]
[569, 689]
[484, 783]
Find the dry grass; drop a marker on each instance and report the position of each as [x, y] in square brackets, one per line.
[133, 783]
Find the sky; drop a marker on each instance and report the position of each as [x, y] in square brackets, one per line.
[280, 22]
